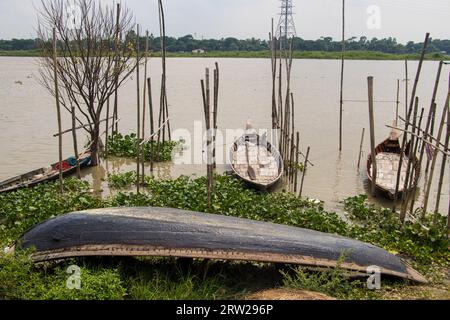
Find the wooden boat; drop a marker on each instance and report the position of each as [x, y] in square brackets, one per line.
[164, 232]
[42, 175]
[256, 161]
[388, 160]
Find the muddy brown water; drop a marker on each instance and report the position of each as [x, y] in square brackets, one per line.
[28, 120]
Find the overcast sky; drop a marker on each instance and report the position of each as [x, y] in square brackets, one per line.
[402, 19]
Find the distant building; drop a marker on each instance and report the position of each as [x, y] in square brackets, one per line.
[444, 52]
[198, 51]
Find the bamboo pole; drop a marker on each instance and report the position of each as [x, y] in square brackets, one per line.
[164, 102]
[75, 142]
[116, 80]
[215, 111]
[372, 136]
[297, 148]
[152, 128]
[79, 127]
[58, 111]
[409, 112]
[144, 107]
[361, 147]
[411, 157]
[442, 173]
[432, 116]
[273, 46]
[305, 166]
[413, 182]
[406, 88]
[398, 102]
[138, 150]
[107, 127]
[435, 154]
[206, 105]
[342, 77]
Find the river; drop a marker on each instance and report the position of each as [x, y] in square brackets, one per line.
[28, 118]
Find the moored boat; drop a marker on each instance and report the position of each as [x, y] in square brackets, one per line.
[257, 162]
[42, 175]
[387, 156]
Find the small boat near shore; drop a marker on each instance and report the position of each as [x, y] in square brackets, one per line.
[165, 232]
[255, 161]
[42, 175]
[388, 161]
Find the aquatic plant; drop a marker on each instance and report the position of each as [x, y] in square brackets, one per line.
[126, 146]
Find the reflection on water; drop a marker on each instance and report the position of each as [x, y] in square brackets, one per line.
[27, 119]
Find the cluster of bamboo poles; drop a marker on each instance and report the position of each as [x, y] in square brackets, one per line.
[283, 113]
[211, 118]
[417, 143]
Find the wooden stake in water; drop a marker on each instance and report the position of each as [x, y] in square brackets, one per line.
[341, 109]
[138, 147]
[432, 117]
[436, 153]
[75, 142]
[398, 102]
[361, 147]
[406, 88]
[144, 106]
[372, 136]
[207, 110]
[442, 173]
[152, 126]
[408, 117]
[116, 80]
[107, 128]
[58, 111]
[297, 163]
[305, 166]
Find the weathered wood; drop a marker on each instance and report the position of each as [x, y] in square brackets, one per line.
[435, 155]
[108, 106]
[397, 102]
[413, 186]
[409, 112]
[297, 163]
[442, 173]
[144, 107]
[116, 80]
[305, 166]
[406, 88]
[163, 232]
[75, 141]
[432, 116]
[138, 92]
[341, 109]
[410, 169]
[361, 147]
[372, 136]
[58, 111]
[152, 128]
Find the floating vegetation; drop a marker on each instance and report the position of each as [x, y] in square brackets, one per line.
[126, 146]
[132, 278]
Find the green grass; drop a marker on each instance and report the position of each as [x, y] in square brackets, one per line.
[142, 279]
[350, 55]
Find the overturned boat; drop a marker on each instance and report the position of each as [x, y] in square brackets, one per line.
[163, 232]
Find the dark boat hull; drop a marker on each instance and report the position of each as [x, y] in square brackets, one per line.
[166, 232]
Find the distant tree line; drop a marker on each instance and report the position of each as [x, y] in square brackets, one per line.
[188, 43]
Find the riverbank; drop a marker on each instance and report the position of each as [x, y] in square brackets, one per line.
[350, 55]
[424, 246]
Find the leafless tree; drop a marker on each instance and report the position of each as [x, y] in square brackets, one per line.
[91, 63]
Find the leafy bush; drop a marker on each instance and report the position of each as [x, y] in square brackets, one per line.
[26, 208]
[423, 241]
[123, 180]
[126, 146]
[21, 279]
